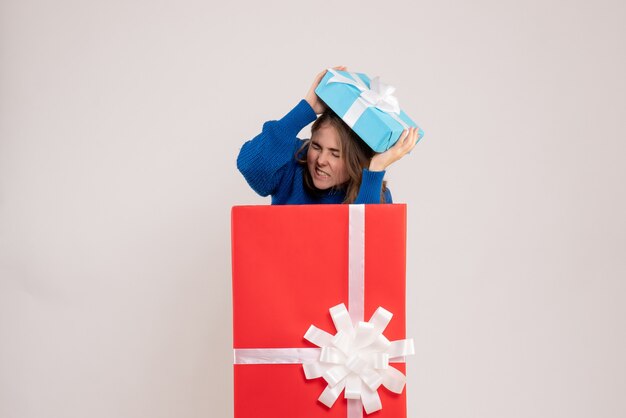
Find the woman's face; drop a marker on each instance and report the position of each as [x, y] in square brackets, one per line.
[324, 159]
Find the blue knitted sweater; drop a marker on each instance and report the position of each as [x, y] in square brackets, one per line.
[269, 166]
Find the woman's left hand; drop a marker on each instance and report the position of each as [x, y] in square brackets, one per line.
[406, 142]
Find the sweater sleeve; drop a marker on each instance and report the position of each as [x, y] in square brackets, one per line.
[371, 186]
[264, 159]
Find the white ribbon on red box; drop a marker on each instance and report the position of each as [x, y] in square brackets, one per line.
[356, 359]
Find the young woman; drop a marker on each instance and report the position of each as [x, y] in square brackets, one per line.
[334, 166]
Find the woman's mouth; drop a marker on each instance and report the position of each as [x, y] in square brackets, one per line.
[321, 173]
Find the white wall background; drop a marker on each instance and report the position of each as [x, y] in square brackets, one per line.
[120, 122]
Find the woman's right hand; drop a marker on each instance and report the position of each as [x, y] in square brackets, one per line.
[311, 98]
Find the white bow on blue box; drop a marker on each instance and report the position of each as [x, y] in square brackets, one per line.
[367, 106]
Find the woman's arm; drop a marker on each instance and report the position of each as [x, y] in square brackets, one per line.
[264, 159]
[372, 181]
[371, 187]
[407, 141]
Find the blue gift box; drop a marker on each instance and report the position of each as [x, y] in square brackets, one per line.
[367, 106]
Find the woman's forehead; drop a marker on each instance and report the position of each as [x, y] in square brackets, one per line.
[326, 136]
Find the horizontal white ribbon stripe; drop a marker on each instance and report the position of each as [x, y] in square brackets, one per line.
[275, 355]
[284, 356]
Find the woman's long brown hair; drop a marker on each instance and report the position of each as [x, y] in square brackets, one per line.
[354, 152]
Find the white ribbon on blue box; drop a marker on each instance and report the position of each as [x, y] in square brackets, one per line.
[367, 106]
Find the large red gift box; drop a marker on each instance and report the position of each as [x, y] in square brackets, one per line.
[290, 265]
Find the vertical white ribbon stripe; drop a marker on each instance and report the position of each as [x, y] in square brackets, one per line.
[356, 282]
[356, 267]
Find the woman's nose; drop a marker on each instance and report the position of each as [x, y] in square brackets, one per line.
[322, 159]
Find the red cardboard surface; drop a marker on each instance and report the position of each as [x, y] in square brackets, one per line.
[290, 265]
